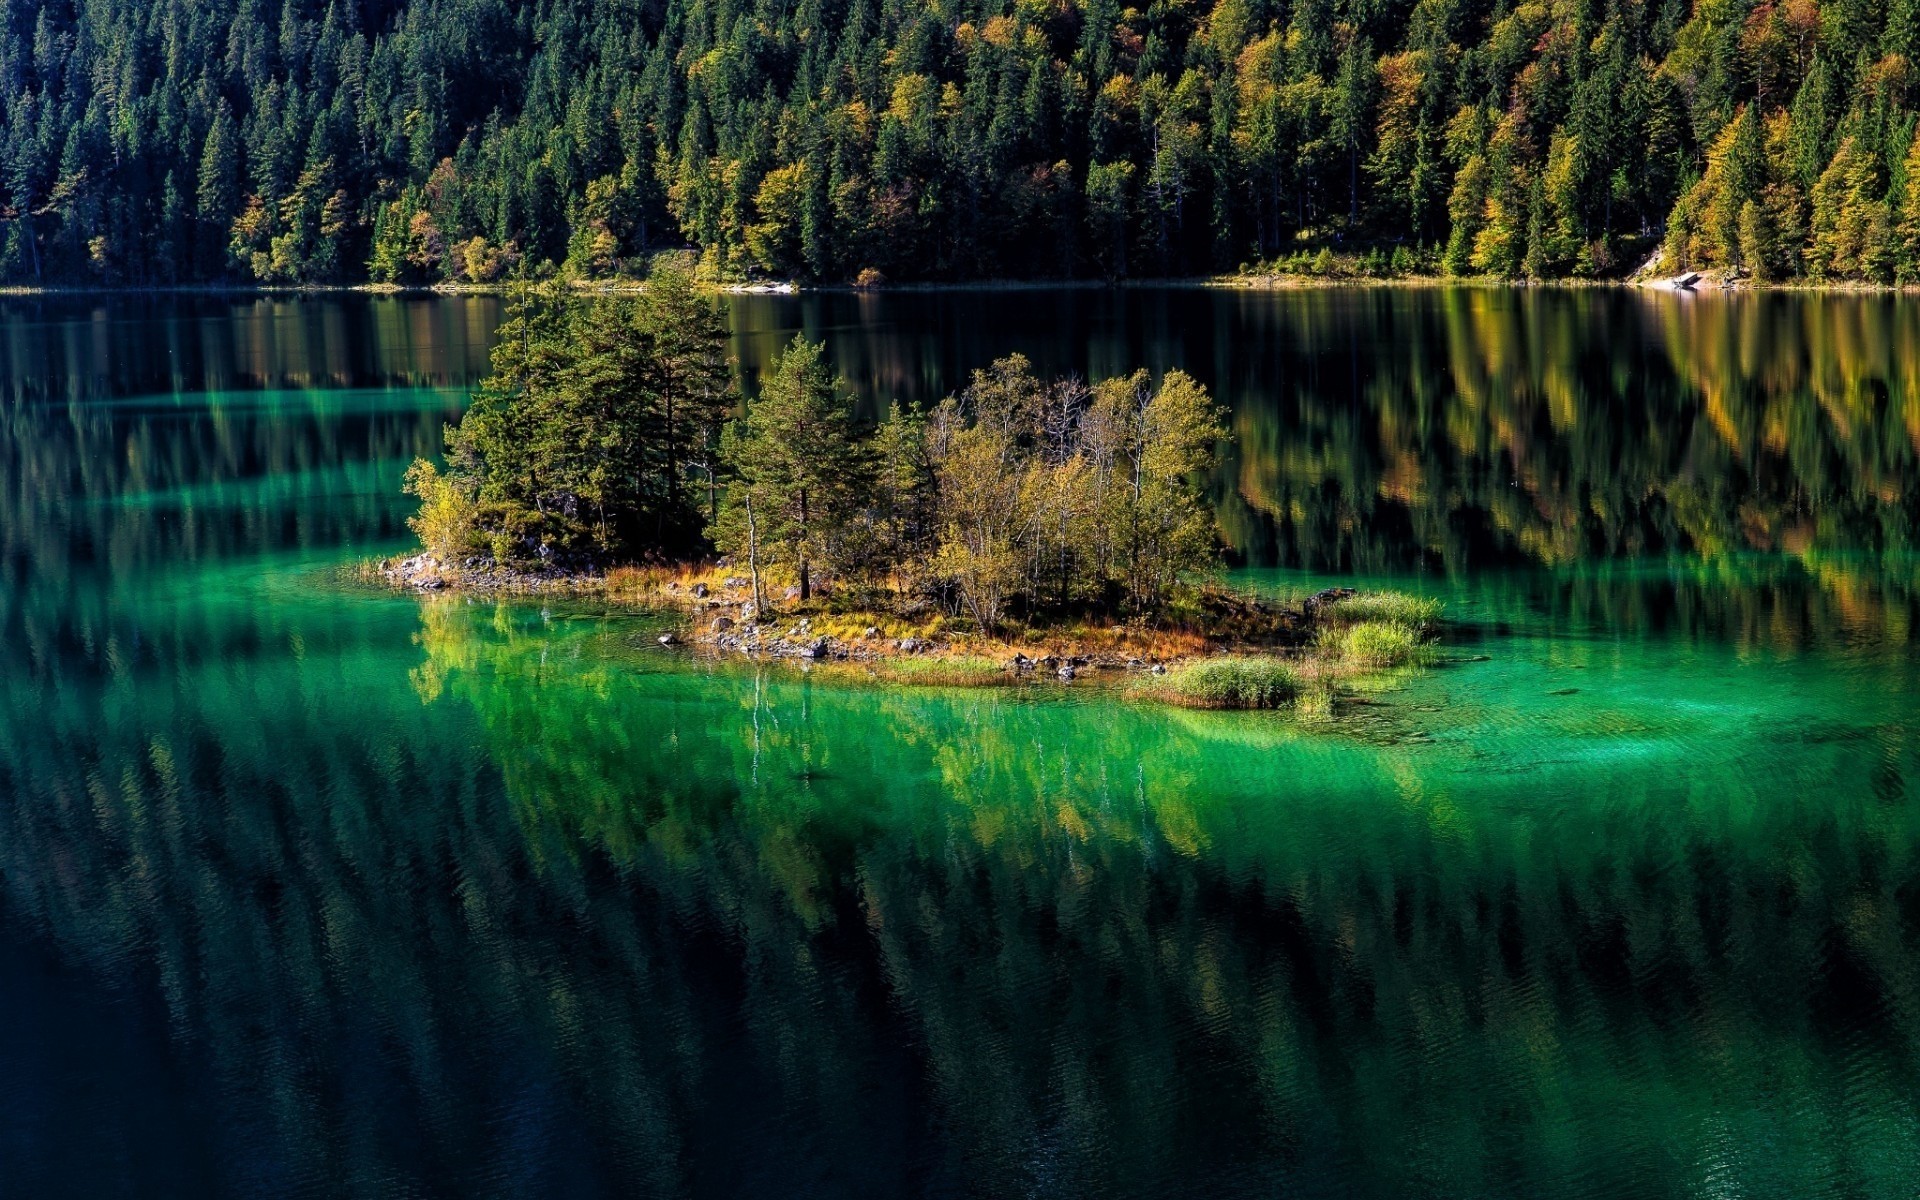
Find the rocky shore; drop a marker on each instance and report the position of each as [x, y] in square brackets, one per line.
[721, 617]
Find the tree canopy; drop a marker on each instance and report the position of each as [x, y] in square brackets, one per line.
[305, 141]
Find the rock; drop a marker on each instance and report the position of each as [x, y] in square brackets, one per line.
[749, 613]
[817, 648]
[733, 581]
[1066, 673]
[908, 645]
[671, 586]
[870, 632]
[1159, 668]
[667, 639]
[721, 624]
[1134, 664]
[1020, 662]
[1326, 596]
[699, 591]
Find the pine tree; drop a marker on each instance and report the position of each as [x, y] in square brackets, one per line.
[796, 469]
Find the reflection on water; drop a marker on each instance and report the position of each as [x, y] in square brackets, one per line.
[311, 892]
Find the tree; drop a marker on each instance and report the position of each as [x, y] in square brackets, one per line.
[582, 439]
[1162, 439]
[796, 461]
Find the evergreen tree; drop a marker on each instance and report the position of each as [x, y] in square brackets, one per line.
[796, 469]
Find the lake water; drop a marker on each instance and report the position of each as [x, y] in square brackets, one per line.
[307, 891]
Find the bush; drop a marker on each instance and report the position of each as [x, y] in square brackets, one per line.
[1234, 683]
[445, 522]
[1383, 644]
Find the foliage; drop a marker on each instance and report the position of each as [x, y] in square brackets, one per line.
[596, 432]
[797, 471]
[446, 519]
[1048, 496]
[1059, 495]
[417, 141]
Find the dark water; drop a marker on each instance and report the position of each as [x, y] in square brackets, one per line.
[308, 891]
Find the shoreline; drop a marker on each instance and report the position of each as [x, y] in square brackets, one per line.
[1709, 283]
[1226, 649]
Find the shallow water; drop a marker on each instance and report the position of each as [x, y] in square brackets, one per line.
[311, 891]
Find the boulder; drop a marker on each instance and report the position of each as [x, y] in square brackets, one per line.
[699, 591]
[721, 624]
[1066, 673]
[667, 639]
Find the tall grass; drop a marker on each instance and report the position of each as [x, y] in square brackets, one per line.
[1395, 608]
[1239, 682]
[956, 670]
[1380, 645]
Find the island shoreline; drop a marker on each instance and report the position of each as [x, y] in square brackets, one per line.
[1250, 652]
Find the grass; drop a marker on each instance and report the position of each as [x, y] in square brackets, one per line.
[1241, 681]
[1380, 645]
[950, 670]
[1394, 608]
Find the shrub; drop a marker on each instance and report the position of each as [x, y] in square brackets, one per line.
[1234, 683]
[445, 522]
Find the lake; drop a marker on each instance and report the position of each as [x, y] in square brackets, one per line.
[314, 891]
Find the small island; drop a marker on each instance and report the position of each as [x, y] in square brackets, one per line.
[1021, 527]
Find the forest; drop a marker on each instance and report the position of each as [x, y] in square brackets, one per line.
[426, 141]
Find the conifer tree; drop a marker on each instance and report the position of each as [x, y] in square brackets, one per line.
[796, 459]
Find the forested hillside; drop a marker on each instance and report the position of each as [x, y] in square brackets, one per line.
[154, 141]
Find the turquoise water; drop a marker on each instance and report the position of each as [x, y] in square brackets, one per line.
[309, 890]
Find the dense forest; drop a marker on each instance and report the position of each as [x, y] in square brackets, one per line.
[412, 141]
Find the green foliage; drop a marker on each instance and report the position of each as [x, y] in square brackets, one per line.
[595, 434]
[417, 141]
[799, 471]
[1056, 495]
[446, 521]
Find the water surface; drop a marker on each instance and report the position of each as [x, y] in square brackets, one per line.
[313, 892]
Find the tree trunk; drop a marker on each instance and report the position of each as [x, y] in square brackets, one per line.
[753, 564]
[806, 584]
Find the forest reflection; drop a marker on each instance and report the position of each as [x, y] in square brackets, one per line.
[732, 928]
